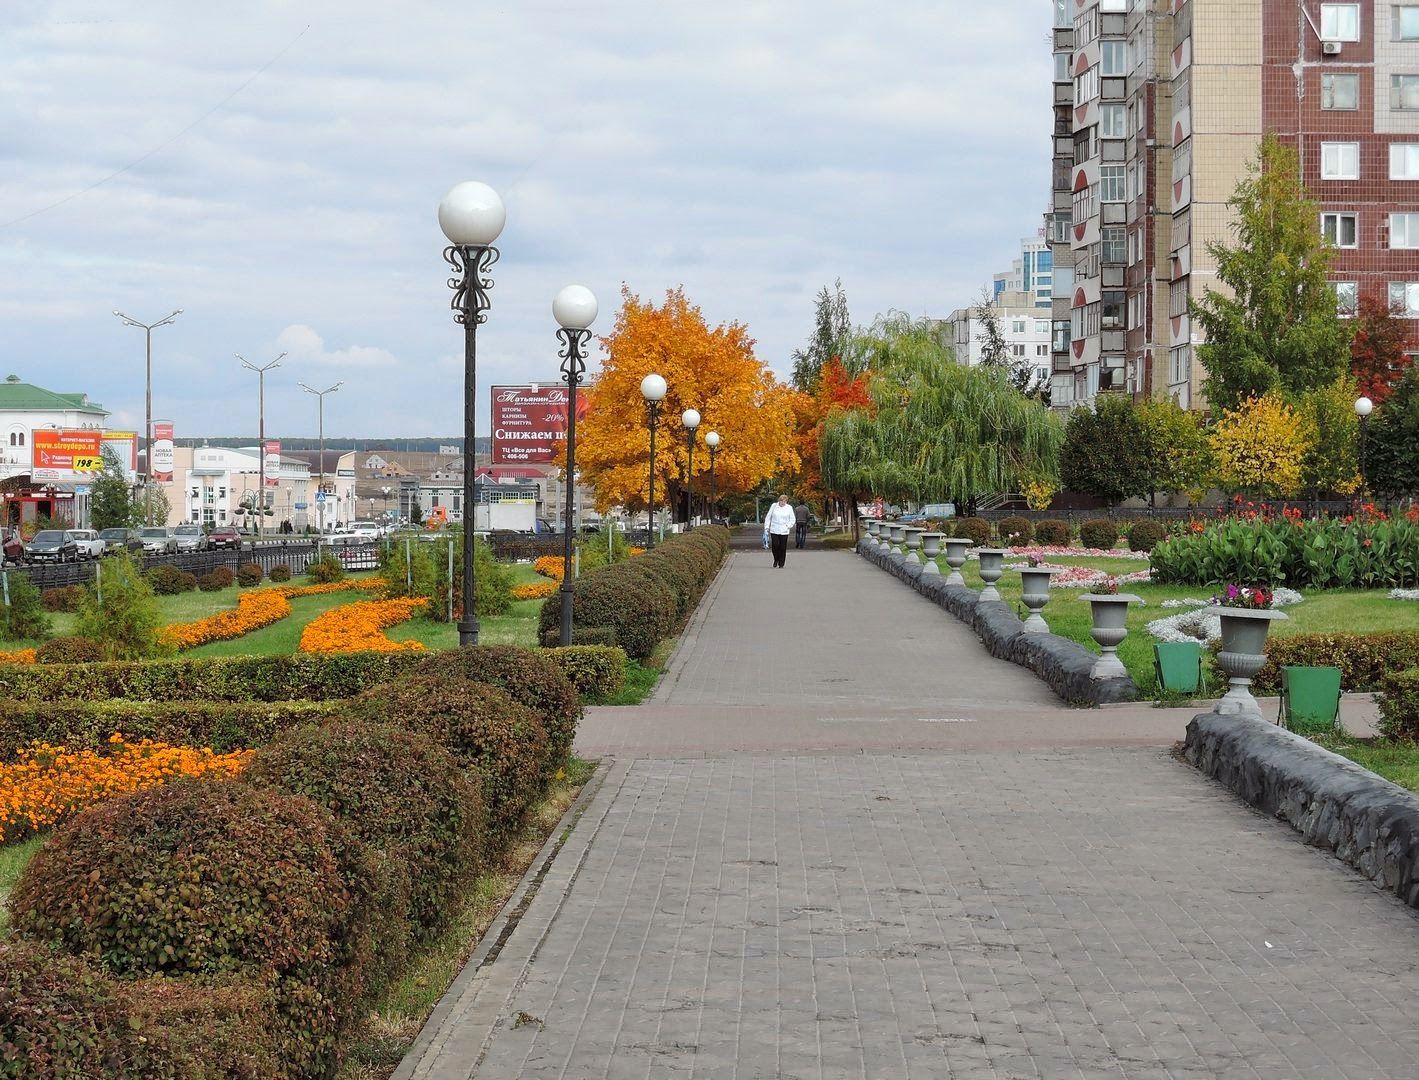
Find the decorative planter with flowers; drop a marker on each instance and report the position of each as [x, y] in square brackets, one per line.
[992, 565]
[1246, 614]
[956, 548]
[1110, 610]
[1034, 582]
[930, 549]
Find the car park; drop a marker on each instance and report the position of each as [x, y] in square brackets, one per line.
[190, 538]
[116, 540]
[157, 540]
[224, 536]
[52, 545]
[88, 543]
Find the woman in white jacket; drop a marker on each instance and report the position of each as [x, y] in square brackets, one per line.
[778, 523]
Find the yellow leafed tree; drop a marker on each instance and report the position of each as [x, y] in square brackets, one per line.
[1259, 447]
[711, 370]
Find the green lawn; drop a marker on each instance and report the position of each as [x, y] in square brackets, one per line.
[1395, 761]
[280, 638]
[13, 858]
[518, 626]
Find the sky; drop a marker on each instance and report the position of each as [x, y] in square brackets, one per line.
[274, 167]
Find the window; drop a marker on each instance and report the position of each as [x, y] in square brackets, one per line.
[1404, 298]
[1339, 161]
[1041, 350]
[1339, 230]
[1340, 92]
[1042, 327]
[1115, 243]
[1404, 161]
[1061, 67]
[1084, 205]
[1111, 183]
[1340, 22]
[1113, 311]
[1017, 350]
[1112, 120]
[1017, 326]
[1406, 23]
[1404, 231]
[1113, 58]
[1404, 92]
[1086, 86]
[1347, 298]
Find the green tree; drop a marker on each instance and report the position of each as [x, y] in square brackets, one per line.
[1330, 431]
[1106, 451]
[24, 618]
[121, 612]
[996, 353]
[152, 507]
[1392, 441]
[1178, 458]
[1276, 326]
[832, 327]
[110, 497]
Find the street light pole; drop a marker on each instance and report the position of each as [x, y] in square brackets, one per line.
[712, 441]
[471, 215]
[260, 434]
[653, 389]
[1363, 407]
[148, 329]
[575, 311]
[320, 413]
[690, 418]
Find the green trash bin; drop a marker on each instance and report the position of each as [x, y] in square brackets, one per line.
[1310, 699]
[1178, 665]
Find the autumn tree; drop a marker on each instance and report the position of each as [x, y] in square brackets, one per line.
[713, 370]
[838, 390]
[1378, 353]
[1178, 458]
[1275, 326]
[831, 328]
[1330, 433]
[1259, 447]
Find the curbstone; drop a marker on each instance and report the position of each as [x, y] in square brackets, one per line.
[1335, 804]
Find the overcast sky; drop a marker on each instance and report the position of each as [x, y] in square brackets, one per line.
[279, 164]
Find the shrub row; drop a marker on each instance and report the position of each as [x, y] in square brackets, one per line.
[1399, 705]
[644, 599]
[597, 671]
[1363, 659]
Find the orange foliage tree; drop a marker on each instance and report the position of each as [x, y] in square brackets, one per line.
[1379, 350]
[711, 370]
[838, 389]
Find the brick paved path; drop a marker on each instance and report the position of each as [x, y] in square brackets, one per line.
[973, 913]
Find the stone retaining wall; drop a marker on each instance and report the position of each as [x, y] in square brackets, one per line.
[1333, 803]
[1060, 662]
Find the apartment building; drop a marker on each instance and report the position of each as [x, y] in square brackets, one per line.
[1159, 108]
[1024, 327]
[1031, 273]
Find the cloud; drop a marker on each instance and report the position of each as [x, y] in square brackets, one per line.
[305, 346]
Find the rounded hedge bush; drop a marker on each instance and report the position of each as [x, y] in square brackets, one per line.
[1015, 531]
[325, 570]
[211, 583]
[400, 794]
[212, 877]
[1099, 533]
[168, 580]
[58, 1015]
[484, 729]
[64, 598]
[634, 604]
[224, 574]
[1053, 533]
[597, 671]
[1146, 535]
[525, 675]
[973, 528]
[280, 572]
[69, 650]
[249, 574]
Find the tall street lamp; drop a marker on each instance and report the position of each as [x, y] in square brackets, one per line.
[575, 311]
[148, 329]
[471, 215]
[385, 490]
[653, 389]
[320, 412]
[712, 441]
[261, 433]
[690, 418]
[1363, 407]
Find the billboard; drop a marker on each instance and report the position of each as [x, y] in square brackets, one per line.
[272, 452]
[124, 446]
[65, 457]
[160, 464]
[530, 423]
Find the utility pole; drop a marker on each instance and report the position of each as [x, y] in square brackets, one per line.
[320, 411]
[261, 434]
[148, 329]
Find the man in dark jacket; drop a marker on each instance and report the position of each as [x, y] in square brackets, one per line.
[800, 529]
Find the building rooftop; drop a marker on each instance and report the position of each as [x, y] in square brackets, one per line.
[19, 396]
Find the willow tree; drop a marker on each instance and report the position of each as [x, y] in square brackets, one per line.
[942, 431]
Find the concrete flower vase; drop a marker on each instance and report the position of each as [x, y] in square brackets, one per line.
[1109, 630]
[992, 565]
[894, 542]
[870, 526]
[930, 549]
[1034, 581]
[1243, 653]
[956, 548]
[911, 537]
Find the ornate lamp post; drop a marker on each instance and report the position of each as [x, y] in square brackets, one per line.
[575, 311]
[148, 329]
[653, 389]
[471, 215]
[385, 490]
[690, 418]
[320, 413]
[260, 434]
[712, 441]
[1363, 407]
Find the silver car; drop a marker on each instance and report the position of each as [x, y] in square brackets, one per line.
[157, 540]
[190, 538]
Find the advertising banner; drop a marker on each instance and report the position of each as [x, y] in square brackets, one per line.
[64, 457]
[161, 462]
[530, 423]
[272, 450]
[124, 446]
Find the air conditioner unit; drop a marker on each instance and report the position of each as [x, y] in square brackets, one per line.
[1330, 48]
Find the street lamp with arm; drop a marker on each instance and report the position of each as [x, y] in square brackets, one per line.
[690, 418]
[261, 433]
[653, 390]
[148, 329]
[575, 311]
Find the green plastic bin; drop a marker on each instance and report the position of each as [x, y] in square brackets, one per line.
[1178, 665]
[1310, 699]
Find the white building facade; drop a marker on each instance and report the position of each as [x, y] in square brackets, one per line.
[1024, 327]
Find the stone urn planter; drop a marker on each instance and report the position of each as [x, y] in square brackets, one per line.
[895, 540]
[1243, 653]
[1034, 581]
[930, 549]
[1109, 630]
[870, 526]
[956, 548]
[911, 537]
[992, 562]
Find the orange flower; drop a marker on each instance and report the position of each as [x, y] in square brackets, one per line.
[255, 610]
[551, 566]
[19, 656]
[537, 590]
[359, 627]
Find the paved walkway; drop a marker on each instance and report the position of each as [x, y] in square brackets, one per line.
[972, 900]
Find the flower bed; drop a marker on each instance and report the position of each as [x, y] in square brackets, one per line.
[254, 611]
[48, 784]
[1085, 577]
[537, 590]
[19, 656]
[550, 566]
[1044, 551]
[359, 627]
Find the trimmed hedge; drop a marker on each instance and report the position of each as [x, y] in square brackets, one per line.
[1399, 705]
[249, 574]
[69, 650]
[325, 570]
[280, 572]
[1363, 659]
[1021, 528]
[1145, 535]
[1099, 533]
[1053, 533]
[597, 671]
[64, 598]
[973, 528]
[168, 580]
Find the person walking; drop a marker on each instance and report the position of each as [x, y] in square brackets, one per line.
[800, 525]
[778, 523]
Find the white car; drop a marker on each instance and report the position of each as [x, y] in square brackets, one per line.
[366, 530]
[90, 546]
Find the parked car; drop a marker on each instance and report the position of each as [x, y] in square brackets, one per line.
[157, 540]
[190, 538]
[52, 545]
[88, 542]
[930, 512]
[116, 540]
[366, 530]
[224, 536]
[12, 546]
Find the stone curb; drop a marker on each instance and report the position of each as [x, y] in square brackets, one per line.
[1361, 818]
[1063, 664]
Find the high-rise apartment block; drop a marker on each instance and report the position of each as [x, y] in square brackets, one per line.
[1159, 109]
[1031, 273]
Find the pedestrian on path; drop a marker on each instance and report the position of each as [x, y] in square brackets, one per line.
[778, 523]
[800, 525]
